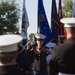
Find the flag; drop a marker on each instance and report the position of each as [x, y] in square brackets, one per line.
[43, 26]
[25, 21]
[54, 20]
[73, 11]
[61, 26]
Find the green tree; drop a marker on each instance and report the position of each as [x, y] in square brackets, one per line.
[31, 37]
[67, 8]
[9, 16]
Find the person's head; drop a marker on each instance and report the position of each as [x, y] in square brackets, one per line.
[69, 27]
[9, 48]
[40, 39]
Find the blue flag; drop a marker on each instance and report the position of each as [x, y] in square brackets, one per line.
[25, 21]
[54, 20]
[43, 26]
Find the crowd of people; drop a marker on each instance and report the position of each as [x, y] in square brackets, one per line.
[19, 57]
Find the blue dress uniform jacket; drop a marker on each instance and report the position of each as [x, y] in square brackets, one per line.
[63, 58]
[40, 63]
[10, 70]
[25, 58]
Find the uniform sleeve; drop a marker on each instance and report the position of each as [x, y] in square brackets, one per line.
[53, 63]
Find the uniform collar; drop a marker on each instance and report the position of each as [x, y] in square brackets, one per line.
[6, 64]
[5, 68]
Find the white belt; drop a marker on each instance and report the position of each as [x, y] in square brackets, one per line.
[64, 74]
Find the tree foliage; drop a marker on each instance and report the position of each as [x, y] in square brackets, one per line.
[67, 8]
[31, 36]
[9, 16]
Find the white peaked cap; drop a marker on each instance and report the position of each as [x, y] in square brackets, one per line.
[40, 36]
[8, 43]
[68, 22]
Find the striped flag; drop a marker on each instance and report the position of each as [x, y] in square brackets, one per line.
[61, 26]
[73, 12]
[25, 21]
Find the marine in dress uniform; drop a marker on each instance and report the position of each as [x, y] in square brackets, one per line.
[40, 52]
[8, 54]
[24, 59]
[22, 54]
[63, 56]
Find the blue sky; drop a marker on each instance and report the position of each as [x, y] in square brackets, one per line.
[31, 7]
